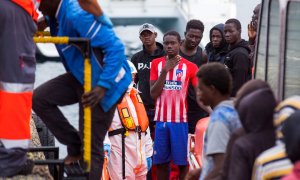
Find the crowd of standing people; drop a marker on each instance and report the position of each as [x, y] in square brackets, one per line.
[143, 110]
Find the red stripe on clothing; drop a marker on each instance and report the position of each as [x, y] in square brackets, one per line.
[28, 6]
[15, 110]
[173, 115]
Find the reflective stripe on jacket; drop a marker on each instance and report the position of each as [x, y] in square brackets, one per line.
[15, 110]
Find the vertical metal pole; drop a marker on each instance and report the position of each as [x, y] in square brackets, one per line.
[87, 119]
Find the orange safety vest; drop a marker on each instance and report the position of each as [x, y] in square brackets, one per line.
[125, 114]
[28, 6]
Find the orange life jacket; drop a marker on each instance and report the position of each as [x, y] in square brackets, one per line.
[28, 6]
[126, 116]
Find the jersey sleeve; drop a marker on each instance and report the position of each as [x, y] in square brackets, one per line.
[154, 70]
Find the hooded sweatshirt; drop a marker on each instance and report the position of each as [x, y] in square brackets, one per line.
[239, 64]
[292, 143]
[217, 54]
[256, 114]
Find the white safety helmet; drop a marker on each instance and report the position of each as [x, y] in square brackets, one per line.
[132, 67]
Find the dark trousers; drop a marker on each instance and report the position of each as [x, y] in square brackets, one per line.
[65, 90]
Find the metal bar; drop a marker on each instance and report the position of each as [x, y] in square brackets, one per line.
[83, 44]
[87, 126]
[55, 40]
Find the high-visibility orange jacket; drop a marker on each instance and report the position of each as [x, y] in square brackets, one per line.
[28, 5]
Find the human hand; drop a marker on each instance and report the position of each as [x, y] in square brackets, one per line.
[93, 97]
[252, 32]
[107, 149]
[171, 63]
[149, 163]
[42, 24]
[193, 174]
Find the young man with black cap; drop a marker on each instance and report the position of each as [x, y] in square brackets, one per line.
[142, 60]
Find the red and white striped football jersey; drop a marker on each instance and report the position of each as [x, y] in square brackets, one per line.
[171, 105]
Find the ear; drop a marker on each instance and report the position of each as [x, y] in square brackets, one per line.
[213, 89]
[155, 34]
[184, 33]
[140, 37]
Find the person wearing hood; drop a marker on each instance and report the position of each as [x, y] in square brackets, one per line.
[256, 115]
[237, 60]
[291, 138]
[217, 48]
[244, 91]
[274, 163]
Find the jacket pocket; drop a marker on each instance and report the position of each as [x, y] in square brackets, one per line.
[28, 67]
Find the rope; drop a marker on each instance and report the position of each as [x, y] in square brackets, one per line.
[55, 40]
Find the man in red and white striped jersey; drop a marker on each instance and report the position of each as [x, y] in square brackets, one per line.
[169, 80]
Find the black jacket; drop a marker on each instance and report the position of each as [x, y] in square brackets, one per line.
[141, 61]
[238, 62]
[217, 54]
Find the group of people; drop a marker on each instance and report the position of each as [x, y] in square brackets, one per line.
[166, 78]
[157, 97]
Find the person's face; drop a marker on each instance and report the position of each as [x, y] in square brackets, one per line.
[193, 38]
[49, 7]
[255, 16]
[171, 45]
[204, 93]
[216, 38]
[148, 38]
[232, 35]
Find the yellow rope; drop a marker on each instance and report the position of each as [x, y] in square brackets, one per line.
[56, 40]
[87, 126]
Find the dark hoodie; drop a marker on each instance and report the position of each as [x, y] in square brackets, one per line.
[238, 62]
[217, 54]
[141, 61]
[291, 136]
[256, 114]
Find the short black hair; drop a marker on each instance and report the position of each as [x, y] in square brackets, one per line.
[236, 22]
[217, 75]
[172, 33]
[195, 24]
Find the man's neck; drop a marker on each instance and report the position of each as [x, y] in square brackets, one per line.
[151, 49]
[234, 44]
[186, 50]
[218, 99]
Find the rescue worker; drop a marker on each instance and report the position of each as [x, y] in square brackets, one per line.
[17, 76]
[135, 148]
